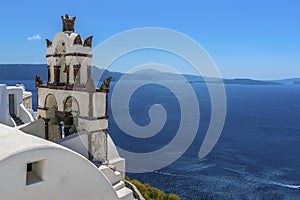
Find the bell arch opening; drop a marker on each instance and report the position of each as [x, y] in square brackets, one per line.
[71, 112]
[60, 69]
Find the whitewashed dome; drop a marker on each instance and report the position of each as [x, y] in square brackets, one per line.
[33, 168]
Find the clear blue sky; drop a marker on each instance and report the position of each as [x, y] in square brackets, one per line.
[246, 38]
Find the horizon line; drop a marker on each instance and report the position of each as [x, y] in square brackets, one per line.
[234, 77]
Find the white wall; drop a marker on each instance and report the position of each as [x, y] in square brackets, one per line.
[36, 128]
[77, 143]
[3, 104]
[4, 111]
[67, 176]
[99, 104]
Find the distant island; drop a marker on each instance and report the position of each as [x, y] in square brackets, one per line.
[250, 82]
[296, 83]
[240, 81]
[8, 72]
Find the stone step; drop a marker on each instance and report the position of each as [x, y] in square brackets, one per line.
[113, 176]
[124, 193]
[119, 185]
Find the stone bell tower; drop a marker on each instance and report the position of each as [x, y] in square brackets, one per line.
[69, 102]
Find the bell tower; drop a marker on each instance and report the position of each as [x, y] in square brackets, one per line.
[69, 57]
[69, 102]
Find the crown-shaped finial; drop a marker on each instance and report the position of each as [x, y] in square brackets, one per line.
[68, 23]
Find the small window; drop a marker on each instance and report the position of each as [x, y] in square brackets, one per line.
[35, 172]
[29, 167]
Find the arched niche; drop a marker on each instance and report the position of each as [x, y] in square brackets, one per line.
[71, 112]
[54, 131]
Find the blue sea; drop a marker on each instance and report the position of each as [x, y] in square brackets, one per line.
[256, 157]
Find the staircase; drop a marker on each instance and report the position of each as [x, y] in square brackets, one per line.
[17, 120]
[117, 182]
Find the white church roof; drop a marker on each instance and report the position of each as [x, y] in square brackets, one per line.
[33, 168]
[14, 141]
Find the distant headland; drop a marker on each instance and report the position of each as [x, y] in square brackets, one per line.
[8, 73]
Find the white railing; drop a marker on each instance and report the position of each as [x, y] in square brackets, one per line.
[25, 115]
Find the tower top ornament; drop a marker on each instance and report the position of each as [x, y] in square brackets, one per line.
[68, 23]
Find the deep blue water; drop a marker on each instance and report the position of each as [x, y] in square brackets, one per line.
[256, 157]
